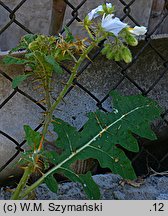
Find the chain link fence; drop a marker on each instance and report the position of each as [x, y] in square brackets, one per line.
[145, 155]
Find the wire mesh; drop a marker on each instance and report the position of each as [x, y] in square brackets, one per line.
[144, 153]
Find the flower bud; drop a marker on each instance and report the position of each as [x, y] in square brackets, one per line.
[117, 55]
[33, 46]
[110, 55]
[106, 49]
[131, 40]
[126, 54]
[87, 21]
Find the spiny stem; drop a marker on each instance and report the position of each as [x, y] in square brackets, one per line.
[22, 183]
[71, 79]
[53, 107]
[90, 33]
[73, 57]
[47, 121]
[48, 116]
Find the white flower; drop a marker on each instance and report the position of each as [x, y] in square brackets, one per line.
[138, 30]
[95, 12]
[109, 5]
[113, 25]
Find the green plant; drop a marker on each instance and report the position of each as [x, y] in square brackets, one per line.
[103, 131]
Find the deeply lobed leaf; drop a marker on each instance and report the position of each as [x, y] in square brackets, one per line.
[103, 131]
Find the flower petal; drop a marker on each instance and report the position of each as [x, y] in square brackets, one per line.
[95, 12]
[113, 25]
[138, 30]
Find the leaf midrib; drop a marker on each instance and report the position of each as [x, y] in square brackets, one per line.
[92, 140]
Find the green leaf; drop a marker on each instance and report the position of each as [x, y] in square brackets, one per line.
[139, 112]
[69, 36]
[28, 38]
[51, 156]
[56, 67]
[33, 138]
[51, 183]
[20, 46]
[19, 79]
[25, 41]
[100, 136]
[13, 60]
[89, 186]
[101, 133]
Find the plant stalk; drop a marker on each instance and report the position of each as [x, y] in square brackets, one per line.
[22, 183]
[48, 119]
